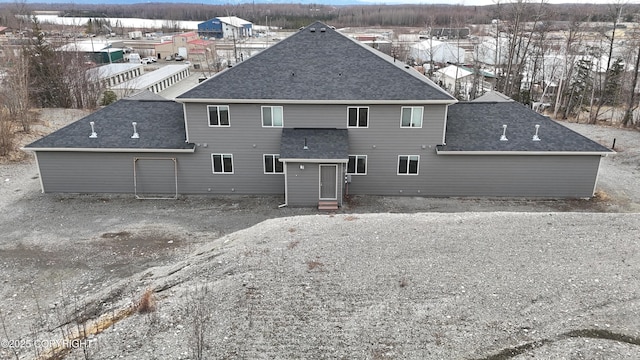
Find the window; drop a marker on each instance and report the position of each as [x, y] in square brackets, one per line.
[357, 165]
[408, 164]
[272, 165]
[272, 116]
[222, 163]
[218, 115]
[411, 117]
[358, 116]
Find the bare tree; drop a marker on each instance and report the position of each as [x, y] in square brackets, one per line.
[615, 12]
[631, 105]
[572, 44]
[15, 89]
[524, 18]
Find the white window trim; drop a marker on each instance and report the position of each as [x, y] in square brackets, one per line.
[218, 112]
[358, 122]
[366, 165]
[408, 159]
[233, 168]
[274, 172]
[262, 116]
[412, 108]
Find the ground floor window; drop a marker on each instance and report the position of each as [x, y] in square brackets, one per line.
[272, 164]
[357, 165]
[408, 164]
[222, 163]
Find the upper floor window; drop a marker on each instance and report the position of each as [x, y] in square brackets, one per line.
[222, 163]
[408, 164]
[272, 116]
[358, 116]
[218, 115]
[272, 164]
[357, 165]
[411, 116]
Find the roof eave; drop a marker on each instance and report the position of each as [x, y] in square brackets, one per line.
[304, 160]
[323, 102]
[109, 150]
[528, 153]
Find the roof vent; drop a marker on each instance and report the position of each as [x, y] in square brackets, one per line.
[503, 137]
[312, 29]
[535, 136]
[135, 132]
[323, 29]
[93, 131]
[305, 147]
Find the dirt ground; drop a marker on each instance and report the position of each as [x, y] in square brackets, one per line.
[70, 258]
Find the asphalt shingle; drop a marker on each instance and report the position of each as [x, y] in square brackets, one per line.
[319, 63]
[477, 126]
[320, 144]
[160, 125]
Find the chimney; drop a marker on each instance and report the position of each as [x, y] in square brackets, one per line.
[93, 131]
[135, 132]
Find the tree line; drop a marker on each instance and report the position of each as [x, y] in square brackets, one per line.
[292, 16]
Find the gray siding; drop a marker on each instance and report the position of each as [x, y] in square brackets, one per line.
[86, 172]
[304, 184]
[91, 172]
[247, 140]
[499, 175]
[530, 176]
[382, 142]
[155, 176]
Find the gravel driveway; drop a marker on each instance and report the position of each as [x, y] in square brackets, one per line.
[447, 278]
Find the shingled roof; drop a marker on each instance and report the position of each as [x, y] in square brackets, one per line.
[311, 143]
[478, 126]
[159, 124]
[319, 64]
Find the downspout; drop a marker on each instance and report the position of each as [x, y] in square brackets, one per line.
[286, 188]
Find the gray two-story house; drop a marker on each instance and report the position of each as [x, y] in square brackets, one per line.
[316, 117]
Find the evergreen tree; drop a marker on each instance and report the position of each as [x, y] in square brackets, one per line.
[579, 88]
[46, 72]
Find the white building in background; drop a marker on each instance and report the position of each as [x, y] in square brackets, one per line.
[438, 52]
[114, 74]
[154, 81]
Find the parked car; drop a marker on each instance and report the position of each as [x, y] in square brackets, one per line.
[147, 60]
[179, 58]
[168, 58]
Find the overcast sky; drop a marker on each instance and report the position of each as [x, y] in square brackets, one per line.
[491, 2]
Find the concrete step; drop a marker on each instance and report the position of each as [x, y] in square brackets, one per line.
[328, 205]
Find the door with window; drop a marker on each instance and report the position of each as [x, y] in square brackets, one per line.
[328, 182]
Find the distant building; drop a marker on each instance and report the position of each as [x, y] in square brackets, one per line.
[225, 28]
[459, 81]
[437, 51]
[113, 74]
[188, 45]
[95, 50]
[154, 81]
